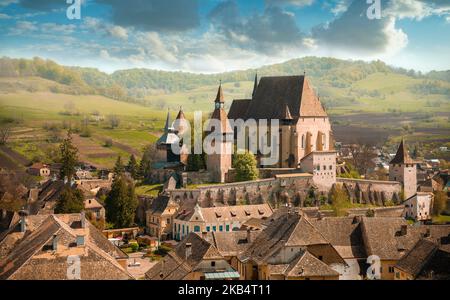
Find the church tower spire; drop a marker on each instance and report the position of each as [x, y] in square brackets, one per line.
[220, 100]
[403, 168]
[219, 163]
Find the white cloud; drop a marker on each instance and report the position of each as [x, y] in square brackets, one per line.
[153, 43]
[290, 2]
[118, 32]
[340, 7]
[23, 27]
[4, 16]
[101, 27]
[411, 9]
[7, 2]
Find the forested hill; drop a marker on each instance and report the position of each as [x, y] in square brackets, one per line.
[327, 74]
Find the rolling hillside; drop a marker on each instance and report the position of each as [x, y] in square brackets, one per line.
[367, 102]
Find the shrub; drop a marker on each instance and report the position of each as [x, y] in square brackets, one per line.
[134, 247]
[108, 143]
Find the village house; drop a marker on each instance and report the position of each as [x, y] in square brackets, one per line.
[290, 248]
[419, 207]
[39, 247]
[222, 219]
[426, 260]
[95, 209]
[230, 244]
[159, 218]
[391, 238]
[193, 259]
[39, 169]
[341, 244]
[81, 174]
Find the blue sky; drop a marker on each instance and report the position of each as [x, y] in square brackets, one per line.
[224, 35]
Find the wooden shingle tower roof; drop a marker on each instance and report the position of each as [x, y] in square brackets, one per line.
[402, 155]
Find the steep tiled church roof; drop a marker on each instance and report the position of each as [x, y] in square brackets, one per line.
[402, 156]
[220, 114]
[238, 109]
[284, 113]
[169, 137]
[273, 92]
[219, 97]
[180, 115]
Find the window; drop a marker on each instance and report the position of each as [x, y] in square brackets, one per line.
[168, 221]
[213, 264]
[331, 167]
[324, 168]
[214, 228]
[320, 257]
[220, 228]
[196, 228]
[397, 275]
[208, 228]
[183, 229]
[227, 227]
[391, 269]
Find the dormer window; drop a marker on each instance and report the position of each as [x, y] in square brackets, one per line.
[247, 213]
[218, 215]
[233, 214]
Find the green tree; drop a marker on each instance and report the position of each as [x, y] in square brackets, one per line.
[118, 167]
[69, 158]
[245, 165]
[145, 167]
[195, 163]
[70, 201]
[310, 197]
[339, 201]
[440, 203]
[121, 202]
[132, 167]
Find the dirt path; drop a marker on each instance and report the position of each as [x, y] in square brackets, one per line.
[15, 156]
[119, 145]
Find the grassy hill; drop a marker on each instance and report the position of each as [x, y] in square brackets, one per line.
[39, 121]
[367, 102]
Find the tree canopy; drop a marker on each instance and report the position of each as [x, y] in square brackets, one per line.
[69, 158]
[70, 201]
[245, 165]
[121, 201]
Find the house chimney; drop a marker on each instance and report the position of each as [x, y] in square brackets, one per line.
[319, 215]
[83, 219]
[249, 237]
[80, 240]
[404, 230]
[55, 242]
[188, 250]
[23, 220]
